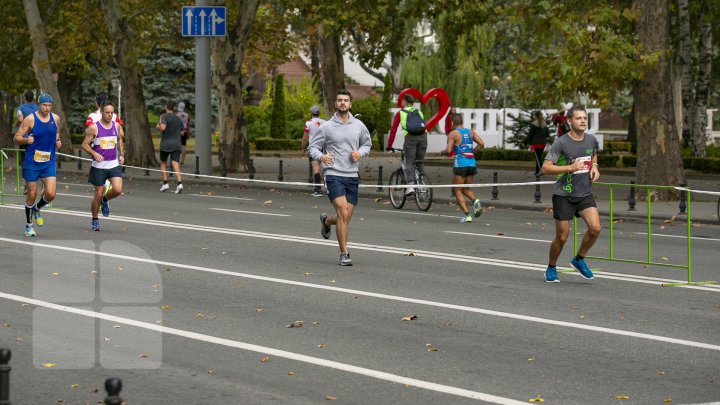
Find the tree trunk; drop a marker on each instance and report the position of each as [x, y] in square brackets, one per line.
[685, 67]
[332, 69]
[702, 93]
[227, 57]
[6, 127]
[43, 71]
[658, 148]
[139, 149]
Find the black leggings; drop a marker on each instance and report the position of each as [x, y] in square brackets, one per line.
[538, 159]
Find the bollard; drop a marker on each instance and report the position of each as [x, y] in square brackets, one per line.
[380, 183]
[223, 171]
[537, 189]
[631, 196]
[683, 197]
[310, 173]
[197, 165]
[251, 170]
[5, 355]
[494, 188]
[280, 176]
[147, 165]
[79, 160]
[113, 387]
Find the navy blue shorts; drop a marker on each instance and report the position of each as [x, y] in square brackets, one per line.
[174, 156]
[338, 186]
[97, 176]
[565, 208]
[33, 173]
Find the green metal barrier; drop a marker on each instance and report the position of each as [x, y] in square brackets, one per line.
[2, 172]
[648, 261]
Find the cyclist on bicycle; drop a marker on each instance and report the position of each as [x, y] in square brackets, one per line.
[460, 144]
[412, 122]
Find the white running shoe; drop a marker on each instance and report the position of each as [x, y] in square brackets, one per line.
[165, 187]
[179, 189]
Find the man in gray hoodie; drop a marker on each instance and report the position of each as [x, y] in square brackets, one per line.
[339, 145]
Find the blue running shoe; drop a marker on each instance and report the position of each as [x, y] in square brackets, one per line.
[36, 217]
[551, 275]
[29, 231]
[582, 268]
[105, 208]
[95, 225]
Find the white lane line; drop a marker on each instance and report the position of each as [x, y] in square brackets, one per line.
[76, 184]
[380, 375]
[436, 304]
[498, 236]
[74, 195]
[420, 213]
[219, 196]
[375, 248]
[249, 212]
[678, 236]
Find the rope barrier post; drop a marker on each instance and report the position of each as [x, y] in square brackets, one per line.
[223, 171]
[147, 165]
[631, 196]
[251, 170]
[197, 166]
[380, 183]
[113, 387]
[683, 204]
[5, 368]
[280, 176]
[537, 189]
[79, 159]
[494, 188]
[310, 173]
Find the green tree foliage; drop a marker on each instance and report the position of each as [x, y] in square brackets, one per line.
[278, 120]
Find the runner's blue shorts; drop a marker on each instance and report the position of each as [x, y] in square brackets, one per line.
[338, 186]
[33, 173]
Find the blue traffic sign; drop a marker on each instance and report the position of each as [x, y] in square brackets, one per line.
[203, 21]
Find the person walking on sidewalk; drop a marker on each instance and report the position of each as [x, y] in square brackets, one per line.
[573, 159]
[185, 132]
[538, 136]
[460, 145]
[412, 122]
[43, 138]
[312, 126]
[170, 146]
[104, 142]
[339, 145]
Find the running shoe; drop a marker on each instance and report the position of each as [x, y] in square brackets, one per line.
[345, 259]
[324, 229]
[317, 193]
[105, 207]
[95, 225]
[551, 275]
[466, 218]
[107, 187]
[36, 217]
[179, 189]
[582, 268]
[29, 231]
[477, 207]
[165, 187]
[410, 191]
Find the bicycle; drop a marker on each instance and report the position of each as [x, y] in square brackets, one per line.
[423, 195]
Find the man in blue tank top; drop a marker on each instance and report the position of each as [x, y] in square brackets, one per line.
[460, 145]
[42, 129]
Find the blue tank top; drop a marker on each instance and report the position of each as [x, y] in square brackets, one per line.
[463, 153]
[42, 151]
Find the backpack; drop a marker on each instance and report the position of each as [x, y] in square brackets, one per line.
[414, 123]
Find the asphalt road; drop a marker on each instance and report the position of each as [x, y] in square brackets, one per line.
[188, 298]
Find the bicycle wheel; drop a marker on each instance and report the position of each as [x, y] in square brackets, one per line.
[423, 195]
[397, 194]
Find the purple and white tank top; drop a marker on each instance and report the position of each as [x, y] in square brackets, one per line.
[105, 143]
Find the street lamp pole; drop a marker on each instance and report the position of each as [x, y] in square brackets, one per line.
[504, 85]
[116, 83]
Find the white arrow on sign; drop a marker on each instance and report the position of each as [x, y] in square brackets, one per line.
[214, 20]
[202, 22]
[189, 16]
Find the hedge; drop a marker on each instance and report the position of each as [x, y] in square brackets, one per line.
[277, 144]
[505, 154]
[705, 165]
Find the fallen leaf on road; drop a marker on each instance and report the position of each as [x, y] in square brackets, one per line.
[531, 360]
[264, 359]
[330, 398]
[259, 309]
[664, 258]
[429, 348]
[667, 400]
[671, 220]
[322, 346]
[622, 397]
[268, 202]
[165, 307]
[291, 373]
[18, 339]
[378, 199]
[199, 315]
[536, 399]
[48, 365]
[295, 324]
[211, 372]
[144, 355]
[409, 318]
[409, 254]
[500, 234]
[75, 386]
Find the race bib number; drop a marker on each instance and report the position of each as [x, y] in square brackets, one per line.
[108, 142]
[41, 157]
[586, 161]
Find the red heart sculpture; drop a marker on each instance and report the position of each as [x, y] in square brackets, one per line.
[437, 93]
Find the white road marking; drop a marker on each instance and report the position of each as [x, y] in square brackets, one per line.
[220, 196]
[249, 212]
[375, 248]
[76, 184]
[678, 236]
[74, 195]
[380, 375]
[420, 213]
[498, 236]
[436, 304]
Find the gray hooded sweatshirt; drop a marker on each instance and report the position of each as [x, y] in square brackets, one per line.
[340, 139]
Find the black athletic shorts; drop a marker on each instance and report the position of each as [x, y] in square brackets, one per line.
[465, 171]
[183, 140]
[565, 208]
[174, 156]
[97, 176]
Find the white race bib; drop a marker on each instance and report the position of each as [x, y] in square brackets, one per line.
[587, 162]
[41, 156]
